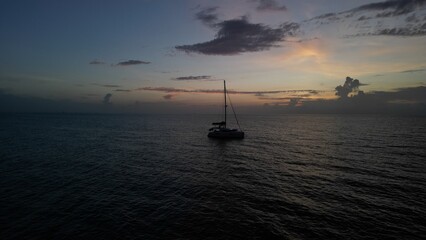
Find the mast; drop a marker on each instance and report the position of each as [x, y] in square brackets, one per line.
[224, 93]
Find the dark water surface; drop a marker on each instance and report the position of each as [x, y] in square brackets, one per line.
[160, 177]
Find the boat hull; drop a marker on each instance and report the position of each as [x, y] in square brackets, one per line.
[226, 135]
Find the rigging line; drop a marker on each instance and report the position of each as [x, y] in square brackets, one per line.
[223, 113]
[235, 115]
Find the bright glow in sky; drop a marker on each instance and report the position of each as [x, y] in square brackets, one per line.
[167, 53]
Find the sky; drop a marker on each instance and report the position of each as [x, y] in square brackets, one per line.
[171, 56]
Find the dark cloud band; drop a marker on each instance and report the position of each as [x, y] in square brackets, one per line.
[195, 78]
[96, 62]
[215, 91]
[132, 62]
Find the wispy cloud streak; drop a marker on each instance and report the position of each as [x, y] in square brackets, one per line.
[132, 62]
[122, 90]
[394, 7]
[208, 16]
[110, 85]
[414, 70]
[193, 78]
[386, 18]
[269, 5]
[169, 96]
[96, 62]
[215, 91]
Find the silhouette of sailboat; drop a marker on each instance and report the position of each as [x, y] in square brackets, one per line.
[220, 130]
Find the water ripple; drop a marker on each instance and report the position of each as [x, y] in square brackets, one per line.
[160, 177]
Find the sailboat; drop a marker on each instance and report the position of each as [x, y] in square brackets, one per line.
[220, 130]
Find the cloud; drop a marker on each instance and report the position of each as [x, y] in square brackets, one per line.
[405, 71]
[107, 99]
[110, 85]
[123, 63]
[293, 102]
[413, 70]
[386, 18]
[208, 78]
[131, 62]
[269, 5]
[391, 7]
[106, 85]
[122, 90]
[412, 18]
[168, 96]
[383, 9]
[215, 91]
[412, 94]
[292, 96]
[350, 86]
[208, 16]
[411, 101]
[179, 90]
[403, 31]
[238, 36]
[274, 98]
[97, 62]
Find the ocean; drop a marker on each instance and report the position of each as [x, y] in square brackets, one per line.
[89, 176]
